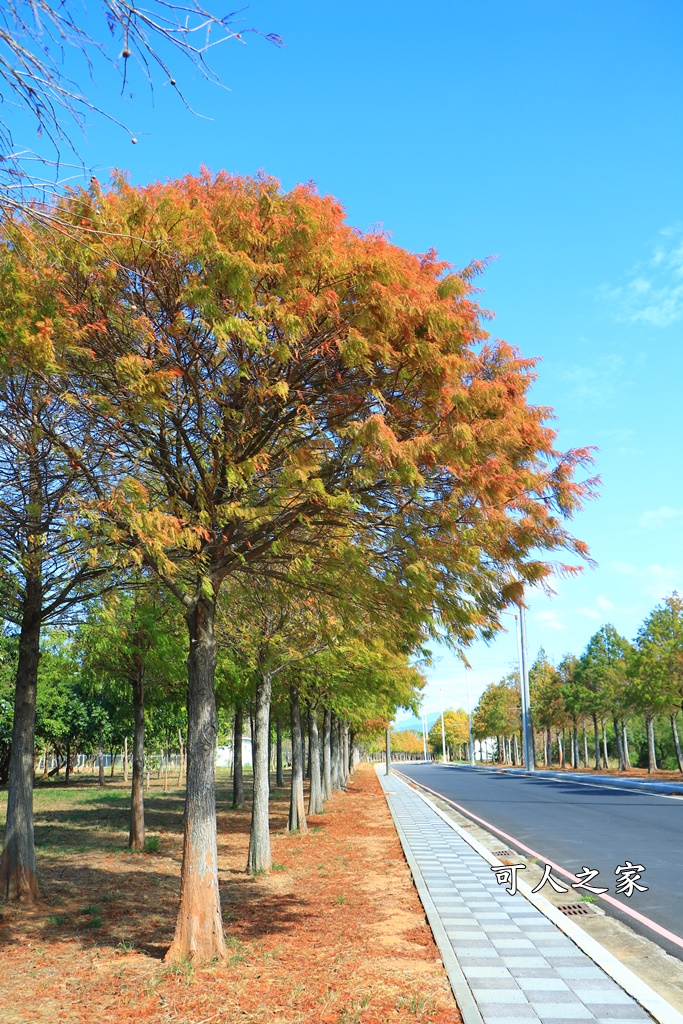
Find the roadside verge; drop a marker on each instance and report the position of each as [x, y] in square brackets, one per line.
[483, 939]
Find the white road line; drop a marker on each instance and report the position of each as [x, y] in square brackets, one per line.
[577, 782]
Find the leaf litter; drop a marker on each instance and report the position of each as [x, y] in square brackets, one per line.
[335, 935]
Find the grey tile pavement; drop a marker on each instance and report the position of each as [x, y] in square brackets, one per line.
[518, 965]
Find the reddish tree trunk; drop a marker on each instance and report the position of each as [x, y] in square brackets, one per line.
[199, 926]
[18, 879]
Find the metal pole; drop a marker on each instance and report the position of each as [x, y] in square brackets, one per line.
[526, 700]
[424, 733]
[388, 751]
[443, 727]
[469, 713]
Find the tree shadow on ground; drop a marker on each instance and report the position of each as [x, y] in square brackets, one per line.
[97, 893]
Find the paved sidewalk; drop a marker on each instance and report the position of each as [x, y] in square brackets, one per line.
[519, 967]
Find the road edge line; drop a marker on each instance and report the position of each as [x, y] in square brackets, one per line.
[645, 996]
[462, 993]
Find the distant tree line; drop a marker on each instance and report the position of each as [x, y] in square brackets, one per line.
[616, 705]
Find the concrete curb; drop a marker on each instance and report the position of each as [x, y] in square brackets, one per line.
[463, 994]
[653, 1003]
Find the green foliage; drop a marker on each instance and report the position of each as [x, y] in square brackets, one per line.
[457, 728]
[656, 667]
[498, 710]
[601, 673]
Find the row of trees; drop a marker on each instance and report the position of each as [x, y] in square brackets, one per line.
[606, 692]
[220, 399]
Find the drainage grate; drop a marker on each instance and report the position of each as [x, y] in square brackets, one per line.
[503, 853]
[576, 909]
[468, 825]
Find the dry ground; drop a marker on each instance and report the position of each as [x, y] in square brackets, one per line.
[335, 935]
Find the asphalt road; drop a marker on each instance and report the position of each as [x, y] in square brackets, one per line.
[579, 825]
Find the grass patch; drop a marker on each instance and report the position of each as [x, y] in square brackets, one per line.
[56, 921]
[95, 913]
[152, 844]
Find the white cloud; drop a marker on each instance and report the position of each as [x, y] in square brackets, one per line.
[656, 518]
[597, 381]
[590, 613]
[653, 290]
[625, 568]
[550, 619]
[604, 603]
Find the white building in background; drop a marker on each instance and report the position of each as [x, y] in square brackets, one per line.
[224, 754]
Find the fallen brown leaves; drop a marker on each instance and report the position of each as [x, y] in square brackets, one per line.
[335, 935]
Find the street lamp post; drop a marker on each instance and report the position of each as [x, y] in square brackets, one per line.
[524, 688]
[388, 751]
[443, 728]
[424, 733]
[469, 715]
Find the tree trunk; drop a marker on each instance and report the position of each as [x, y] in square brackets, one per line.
[597, 743]
[252, 733]
[651, 749]
[279, 777]
[315, 796]
[297, 814]
[345, 749]
[306, 741]
[352, 751]
[180, 756]
[677, 742]
[136, 835]
[624, 740]
[334, 753]
[560, 748]
[125, 759]
[67, 772]
[604, 746]
[199, 927]
[585, 745]
[100, 760]
[18, 879]
[620, 748]
[237, 766]
[327, 754]
[259, 858]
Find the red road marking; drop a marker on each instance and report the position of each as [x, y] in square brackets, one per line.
[676, 939]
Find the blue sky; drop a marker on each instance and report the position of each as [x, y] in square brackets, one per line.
[548, 134]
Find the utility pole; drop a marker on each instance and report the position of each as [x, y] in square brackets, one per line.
[469, 715]
[524, 688]
[443, 728]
